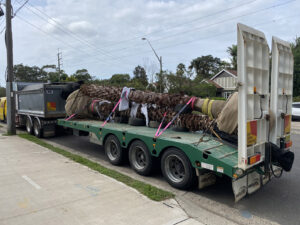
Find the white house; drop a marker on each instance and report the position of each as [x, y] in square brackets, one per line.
[226, 82]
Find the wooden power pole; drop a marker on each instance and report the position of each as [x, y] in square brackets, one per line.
[11, 103]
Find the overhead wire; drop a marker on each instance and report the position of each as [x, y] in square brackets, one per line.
[60, 40]
[65, 30]
[184, 32]
[133, 49]
[207, 26]
[182, 24]
[213, 35]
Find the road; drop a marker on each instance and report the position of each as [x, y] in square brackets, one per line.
[278, 201]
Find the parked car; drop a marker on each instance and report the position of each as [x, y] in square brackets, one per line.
[296, 111]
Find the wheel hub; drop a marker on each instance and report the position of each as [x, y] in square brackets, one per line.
[140, 158]
[175, 168]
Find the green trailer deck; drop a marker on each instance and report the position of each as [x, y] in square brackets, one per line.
[203, 151]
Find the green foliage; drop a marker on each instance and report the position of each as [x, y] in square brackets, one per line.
[218, 98]
[161, 81]
[232, 51]
[140, 75]
[119, 80]
[28, 73]
[296, 99]
[207, 66]
[2, 92]
[204, 90]
[82, 75]
[296, 52]
[36, 74]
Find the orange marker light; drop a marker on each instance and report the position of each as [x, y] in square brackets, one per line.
[254, 159]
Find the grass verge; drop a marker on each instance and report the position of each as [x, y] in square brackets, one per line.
[148, 190]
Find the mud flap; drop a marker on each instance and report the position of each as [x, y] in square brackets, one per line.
[239, 187]
[254, 182]
[205, 178]
[247, 184]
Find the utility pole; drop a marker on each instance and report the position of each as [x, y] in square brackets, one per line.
[159, 59]
[11, 103]
[59, 63]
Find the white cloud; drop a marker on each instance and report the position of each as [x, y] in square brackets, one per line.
[82, 27]
[113, 30]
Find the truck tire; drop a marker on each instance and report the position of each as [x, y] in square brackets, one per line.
[140, 158]
[121, 119]
[136, 122]
[113, 150]
[180, 129]
[37, 129]
[29, 127]
[177, 169]
[154, 124]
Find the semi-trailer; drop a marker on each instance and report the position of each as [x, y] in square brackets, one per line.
[263, 149]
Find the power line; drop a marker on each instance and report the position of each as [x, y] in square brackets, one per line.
[66, 43]
[207, 37]
[226, 20]
[67, 31]
[14, 14]
[216, 23]
[182, 24]
[202, 27]
[211, 36]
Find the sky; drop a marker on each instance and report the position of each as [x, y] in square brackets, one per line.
[105, 36]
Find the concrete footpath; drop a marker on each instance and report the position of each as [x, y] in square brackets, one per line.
[38, 186]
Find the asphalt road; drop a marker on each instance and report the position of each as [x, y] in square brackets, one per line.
[278, 201]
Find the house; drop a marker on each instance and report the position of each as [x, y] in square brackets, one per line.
[225, 82]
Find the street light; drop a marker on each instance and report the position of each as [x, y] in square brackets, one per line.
[159, 58]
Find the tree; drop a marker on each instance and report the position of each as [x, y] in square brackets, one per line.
[82, 75]
[161, 81]
[296, 52]
[119, 80]
[140, 75]
[2, 92]
[29, 74]
[232, 51]
[178, 82]
[206, 66]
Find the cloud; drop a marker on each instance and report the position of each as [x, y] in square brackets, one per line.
[110, 31]
[82, 27]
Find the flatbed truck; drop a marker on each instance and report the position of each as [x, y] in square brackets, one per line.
[186, 157]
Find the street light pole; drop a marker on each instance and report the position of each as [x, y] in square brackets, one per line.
[10, 97]
[159, 58]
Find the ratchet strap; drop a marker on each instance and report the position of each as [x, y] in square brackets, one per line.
[70, 117]
[107, 119]
[158, 132]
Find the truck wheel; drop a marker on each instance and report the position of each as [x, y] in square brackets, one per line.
[37, 130]
[29, 127]
[140, 159]
[136, 122]
[177, 169]
[113, 150]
